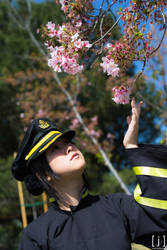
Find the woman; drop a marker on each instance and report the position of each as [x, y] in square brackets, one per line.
[48, 160]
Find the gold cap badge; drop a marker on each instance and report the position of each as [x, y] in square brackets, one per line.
[43, 124]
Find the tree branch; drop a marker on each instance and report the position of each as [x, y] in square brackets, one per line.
[28, 20]
[163, 36]
[107, 32]
[15, 15]
[77, 88]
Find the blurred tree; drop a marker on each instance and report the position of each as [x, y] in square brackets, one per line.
[10, 123]
[104, 119]
[16, 55]
[10, 224]
[15, 42]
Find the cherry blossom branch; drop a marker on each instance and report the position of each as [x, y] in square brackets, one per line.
[113, 26]
[149, 103]
[101, 25]
[74, 35]
[154, 51]
[163, 36]
[102, 15]
[36, 43]
[140, 73]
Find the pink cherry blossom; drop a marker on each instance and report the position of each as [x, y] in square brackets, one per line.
[83, 143]
[75, 123]
[79, 23]
[40, 113]
[50, 26]
[94, 133]
[78, 43]
[86, 44]
[109, 135]
[62, 2]
[121, 95]
[66, 56]
[74, 37]
[109, 66]
[94, 118]
[22, 115]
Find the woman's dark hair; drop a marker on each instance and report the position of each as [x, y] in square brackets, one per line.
[36, 181]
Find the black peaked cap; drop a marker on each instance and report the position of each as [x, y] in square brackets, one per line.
[39, 136]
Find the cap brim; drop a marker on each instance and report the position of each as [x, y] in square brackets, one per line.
[68, 134]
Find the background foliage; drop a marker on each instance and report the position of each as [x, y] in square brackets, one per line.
[28, 90]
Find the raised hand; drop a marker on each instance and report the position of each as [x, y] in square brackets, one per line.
[130, 138]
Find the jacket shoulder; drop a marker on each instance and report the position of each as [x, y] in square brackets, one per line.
[38, 229]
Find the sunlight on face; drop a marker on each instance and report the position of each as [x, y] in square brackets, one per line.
[65, 158]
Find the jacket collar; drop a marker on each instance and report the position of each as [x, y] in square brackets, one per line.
[83, 194]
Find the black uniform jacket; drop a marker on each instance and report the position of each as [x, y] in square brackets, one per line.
[110, 222]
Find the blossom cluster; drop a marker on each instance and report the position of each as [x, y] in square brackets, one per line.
[135, 17]
[71, 47]
[67, 55]
[120, 53]
[73, 8]
[68, 44]
[121, 95]
[109, 66]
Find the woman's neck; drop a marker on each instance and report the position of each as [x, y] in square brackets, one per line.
[69, 193]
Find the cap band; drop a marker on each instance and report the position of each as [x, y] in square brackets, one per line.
[47, 145]
[43, 140]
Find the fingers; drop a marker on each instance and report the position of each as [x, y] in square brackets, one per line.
[139, 107]
[133, 103]
[136, 108]
[128, 118]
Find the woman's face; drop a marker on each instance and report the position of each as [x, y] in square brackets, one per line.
[64, 158]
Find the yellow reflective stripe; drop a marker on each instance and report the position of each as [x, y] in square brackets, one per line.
[47, 145]
[45, 138]
[158, 172]
[162, 204]
[85, 194]
[51, 199]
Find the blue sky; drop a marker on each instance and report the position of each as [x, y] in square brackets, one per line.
[116, 9]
